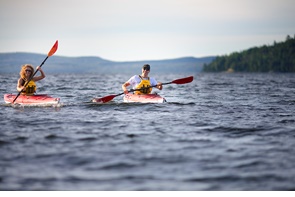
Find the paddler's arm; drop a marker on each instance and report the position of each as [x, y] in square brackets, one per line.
[124, 87]
[39, 77]
[20, 87]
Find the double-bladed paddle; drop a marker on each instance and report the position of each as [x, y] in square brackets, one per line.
[111, 97]
[50, 53]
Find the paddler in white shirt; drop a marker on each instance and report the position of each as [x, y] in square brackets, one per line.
[26, 73]
[142, 82]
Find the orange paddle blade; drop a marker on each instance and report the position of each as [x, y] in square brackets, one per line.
[53, 49]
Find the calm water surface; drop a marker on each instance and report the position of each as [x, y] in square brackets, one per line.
[220, 132]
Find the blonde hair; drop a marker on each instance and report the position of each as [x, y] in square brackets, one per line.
[23, 70]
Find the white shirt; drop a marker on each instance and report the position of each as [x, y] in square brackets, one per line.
[135, 80]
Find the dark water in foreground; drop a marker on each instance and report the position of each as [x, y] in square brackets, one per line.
[220, 132]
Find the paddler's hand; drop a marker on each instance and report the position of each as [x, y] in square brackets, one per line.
[126, 92]
[159, 86]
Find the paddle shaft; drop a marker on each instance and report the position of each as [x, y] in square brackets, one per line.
[133, 90]
[177, 81]
[35, 72]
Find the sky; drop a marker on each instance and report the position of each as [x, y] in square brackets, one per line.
[132, 30]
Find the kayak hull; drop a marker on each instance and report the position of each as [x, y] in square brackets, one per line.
[144, 98]
[41, 99]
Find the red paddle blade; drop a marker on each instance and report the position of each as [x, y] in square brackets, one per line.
[53, 49]
[104, 99]
[183, 80]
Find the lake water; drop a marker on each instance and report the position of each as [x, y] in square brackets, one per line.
[220, 132]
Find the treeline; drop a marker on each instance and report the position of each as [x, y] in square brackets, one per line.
[279, 57]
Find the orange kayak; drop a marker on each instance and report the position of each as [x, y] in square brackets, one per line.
[144, 98]
[41, 99]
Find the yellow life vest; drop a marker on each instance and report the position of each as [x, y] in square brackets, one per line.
[30, 88]
[143, 84]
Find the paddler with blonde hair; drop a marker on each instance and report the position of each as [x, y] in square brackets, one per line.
[26, 73]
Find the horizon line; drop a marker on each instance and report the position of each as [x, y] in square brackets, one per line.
[93, 56]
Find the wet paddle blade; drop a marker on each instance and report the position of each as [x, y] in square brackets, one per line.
[183, 80]
[53, 49]
[104, 99]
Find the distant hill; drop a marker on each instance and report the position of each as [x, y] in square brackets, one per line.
[11, 63]
[279, 57]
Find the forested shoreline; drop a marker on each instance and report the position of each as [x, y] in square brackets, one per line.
[279, 57]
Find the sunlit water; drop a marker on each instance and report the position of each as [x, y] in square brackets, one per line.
[220, 132]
